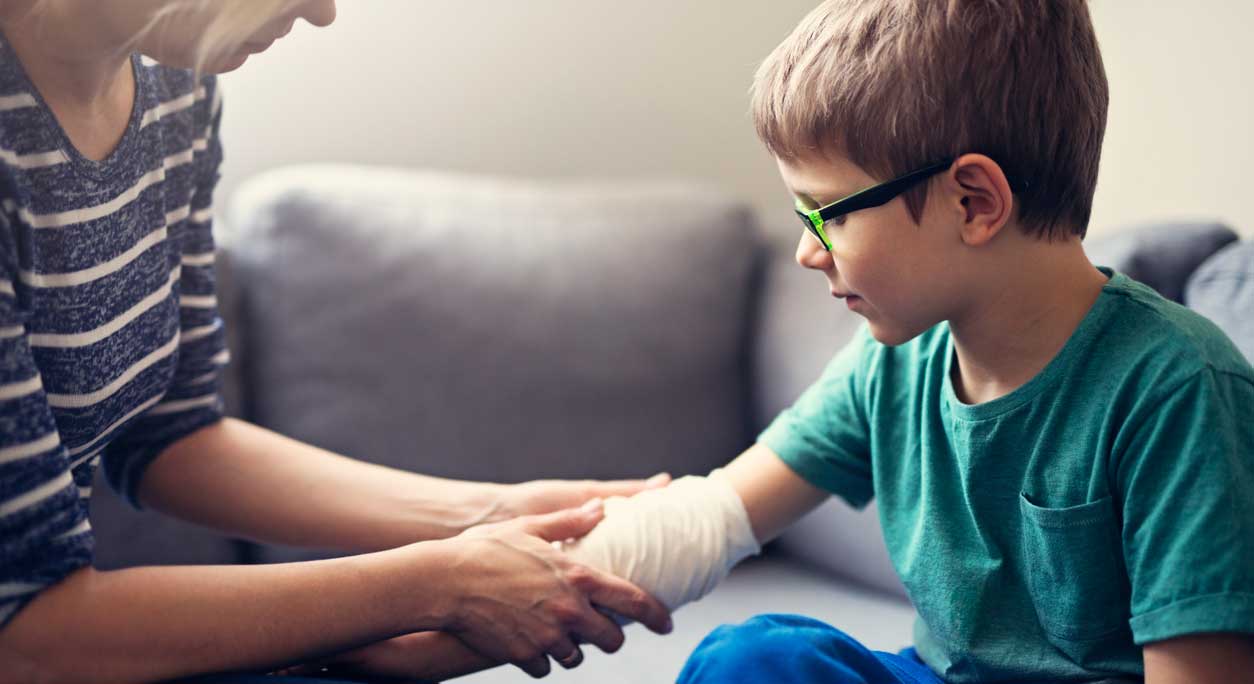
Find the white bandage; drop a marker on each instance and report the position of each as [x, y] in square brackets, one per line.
[677, 543]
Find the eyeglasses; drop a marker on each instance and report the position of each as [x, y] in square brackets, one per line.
[874, 196]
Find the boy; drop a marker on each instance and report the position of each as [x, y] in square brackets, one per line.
[1063, 460]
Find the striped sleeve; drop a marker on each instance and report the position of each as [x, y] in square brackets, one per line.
[44, 534]
[194, 398]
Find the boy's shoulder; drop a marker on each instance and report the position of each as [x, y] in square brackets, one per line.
[1152, 331]
[1134, 339]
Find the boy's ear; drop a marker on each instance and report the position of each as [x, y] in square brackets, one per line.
[985, 195]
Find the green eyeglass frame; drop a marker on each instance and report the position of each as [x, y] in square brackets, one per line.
[874, 196]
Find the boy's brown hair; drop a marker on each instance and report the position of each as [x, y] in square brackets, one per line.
[894, 85]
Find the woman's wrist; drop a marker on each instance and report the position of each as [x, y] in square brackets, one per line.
[416, 584]
[417, 508]
[440, 509]
[490, 502]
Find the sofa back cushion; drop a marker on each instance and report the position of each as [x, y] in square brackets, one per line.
[493, 329]
[1222, 289]
[1161, 255]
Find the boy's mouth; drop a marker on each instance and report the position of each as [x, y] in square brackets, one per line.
[852, 301]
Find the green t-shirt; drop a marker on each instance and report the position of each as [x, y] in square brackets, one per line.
[1045, 535]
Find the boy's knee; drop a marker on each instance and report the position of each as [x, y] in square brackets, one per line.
[791, 648]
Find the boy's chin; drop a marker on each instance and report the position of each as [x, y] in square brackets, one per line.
[892, 335]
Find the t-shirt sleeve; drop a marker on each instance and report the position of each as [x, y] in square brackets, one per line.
[44, 534]
[1186, 479]
[825, 436]
[193, 400]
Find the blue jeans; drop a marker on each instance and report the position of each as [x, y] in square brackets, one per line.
[793, 649]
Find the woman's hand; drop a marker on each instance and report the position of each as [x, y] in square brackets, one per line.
[518, 599]
[546, 496]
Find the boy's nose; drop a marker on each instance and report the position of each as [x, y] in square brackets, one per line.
[810, 253]
[318, 12]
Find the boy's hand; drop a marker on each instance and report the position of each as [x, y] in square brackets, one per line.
[546, 496]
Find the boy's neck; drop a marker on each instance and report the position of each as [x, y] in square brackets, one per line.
[1022, 314]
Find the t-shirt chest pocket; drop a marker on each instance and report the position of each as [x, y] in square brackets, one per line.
[1074, 572]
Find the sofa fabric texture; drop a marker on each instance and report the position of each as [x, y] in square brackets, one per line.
[1162, 255]
[496, 330]
[1222, 289]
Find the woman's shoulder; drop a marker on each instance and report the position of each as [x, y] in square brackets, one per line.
[26, 143]
[174, 91]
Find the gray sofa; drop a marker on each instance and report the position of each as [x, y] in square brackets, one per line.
[506, 330]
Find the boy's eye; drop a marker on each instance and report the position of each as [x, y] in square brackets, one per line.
[837, 220]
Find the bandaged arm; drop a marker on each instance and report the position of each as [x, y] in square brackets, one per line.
[679, 542]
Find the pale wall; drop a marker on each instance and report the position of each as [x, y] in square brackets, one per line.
[582, 88]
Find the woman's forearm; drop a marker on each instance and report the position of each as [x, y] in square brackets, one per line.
[152, 624]
[258, 484]
[425, 656]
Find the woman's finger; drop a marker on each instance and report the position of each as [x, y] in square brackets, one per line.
[571, 523]
[566, 654]
[624, 598]
[599, 630]
[536, 667]
[610, 488]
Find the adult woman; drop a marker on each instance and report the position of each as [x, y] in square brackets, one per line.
[110, 351]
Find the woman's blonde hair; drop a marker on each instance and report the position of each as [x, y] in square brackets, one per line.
[231, 23]
[893, 85]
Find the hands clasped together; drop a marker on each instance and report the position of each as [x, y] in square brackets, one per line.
[513, 597]
[524, 600]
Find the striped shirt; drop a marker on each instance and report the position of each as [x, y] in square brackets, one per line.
[111, 346]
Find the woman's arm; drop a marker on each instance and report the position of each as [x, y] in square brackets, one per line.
[502, 589]
[149, 624]
[674, 543]
[270, 481]
[423, 657]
